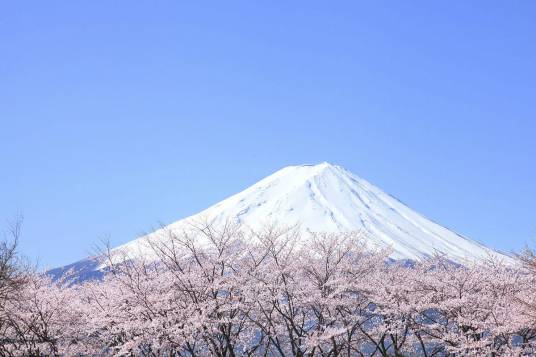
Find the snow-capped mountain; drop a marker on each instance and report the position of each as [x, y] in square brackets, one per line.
[329, 198]
[325, 198]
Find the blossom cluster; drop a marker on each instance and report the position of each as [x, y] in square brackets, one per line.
[223, 292]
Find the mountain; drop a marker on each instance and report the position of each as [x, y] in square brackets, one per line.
[329, 198]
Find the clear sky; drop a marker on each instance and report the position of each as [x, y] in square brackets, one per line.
[118, 115]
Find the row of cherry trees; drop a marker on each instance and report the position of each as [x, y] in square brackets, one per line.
[220, 293]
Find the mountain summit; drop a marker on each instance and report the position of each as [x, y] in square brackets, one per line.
[329, 198]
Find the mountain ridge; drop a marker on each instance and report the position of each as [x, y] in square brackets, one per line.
[324, 198]
[328, 198]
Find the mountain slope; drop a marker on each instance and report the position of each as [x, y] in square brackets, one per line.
[328, 198]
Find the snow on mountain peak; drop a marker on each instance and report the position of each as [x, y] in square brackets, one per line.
[328, 198]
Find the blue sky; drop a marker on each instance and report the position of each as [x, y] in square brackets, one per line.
[117, 115]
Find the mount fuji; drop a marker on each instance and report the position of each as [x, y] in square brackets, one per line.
[329, 198]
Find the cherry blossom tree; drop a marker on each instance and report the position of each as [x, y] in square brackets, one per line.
[227, 291]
